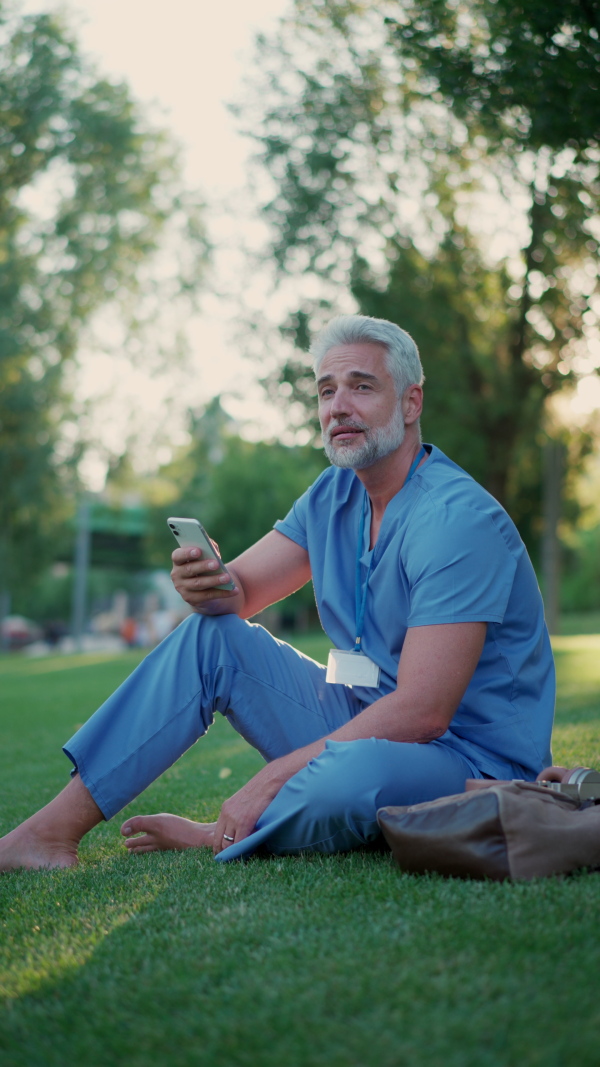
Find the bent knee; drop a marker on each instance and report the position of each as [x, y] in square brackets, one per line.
[343, 776]
[217, 631]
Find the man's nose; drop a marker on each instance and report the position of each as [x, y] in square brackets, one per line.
[340, 404]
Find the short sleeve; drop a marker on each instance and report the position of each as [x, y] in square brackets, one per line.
[459, 567]
[295, 523]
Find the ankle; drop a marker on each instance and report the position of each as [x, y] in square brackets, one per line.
[50, 834]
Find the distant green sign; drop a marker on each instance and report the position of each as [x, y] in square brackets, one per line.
[117, 536]
[125, 522]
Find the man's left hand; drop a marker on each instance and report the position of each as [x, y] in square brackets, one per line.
[240, 813]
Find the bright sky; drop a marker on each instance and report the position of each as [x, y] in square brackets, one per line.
[188, 58]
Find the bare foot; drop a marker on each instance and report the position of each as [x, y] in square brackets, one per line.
[51, 836]
[24, 847]
[161, 832]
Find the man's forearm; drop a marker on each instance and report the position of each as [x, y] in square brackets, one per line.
[394, 718]
[385, 719]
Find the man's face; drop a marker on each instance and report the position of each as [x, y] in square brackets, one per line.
[361, 415]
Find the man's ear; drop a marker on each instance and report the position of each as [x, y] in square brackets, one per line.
[412, 404]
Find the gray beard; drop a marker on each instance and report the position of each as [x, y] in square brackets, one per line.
[377, 443]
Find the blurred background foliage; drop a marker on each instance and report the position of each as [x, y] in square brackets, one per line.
[391, 133]
[434, 163]
[236, 488]
[87, 191]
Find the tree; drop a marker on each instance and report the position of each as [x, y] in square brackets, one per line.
[88, 190]
[381, 172]
[526, 73]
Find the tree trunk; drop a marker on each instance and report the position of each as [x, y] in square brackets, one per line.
[82, 560]
[553, 472]
[4, 613]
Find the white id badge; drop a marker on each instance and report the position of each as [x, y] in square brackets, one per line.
[351, 668]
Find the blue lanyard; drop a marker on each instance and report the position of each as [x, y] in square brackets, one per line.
[361, 593]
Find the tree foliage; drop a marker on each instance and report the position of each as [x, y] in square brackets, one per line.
[87, 189]
[393, 134]
[525, 72]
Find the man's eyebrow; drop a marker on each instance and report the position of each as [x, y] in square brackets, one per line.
[363, 375]
[357, 375]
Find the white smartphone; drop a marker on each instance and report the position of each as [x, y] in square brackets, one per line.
[190, 533]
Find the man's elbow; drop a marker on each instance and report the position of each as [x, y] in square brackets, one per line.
[432, 728]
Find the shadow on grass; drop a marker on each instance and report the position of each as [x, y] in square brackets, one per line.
[314, 960]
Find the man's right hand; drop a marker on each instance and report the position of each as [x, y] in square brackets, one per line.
[266, 572]
[199, 582]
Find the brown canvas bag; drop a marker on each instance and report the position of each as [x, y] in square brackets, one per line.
[508, 830]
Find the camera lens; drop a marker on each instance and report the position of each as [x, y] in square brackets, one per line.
[584, 775]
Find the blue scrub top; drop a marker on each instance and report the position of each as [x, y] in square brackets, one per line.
[446, 552]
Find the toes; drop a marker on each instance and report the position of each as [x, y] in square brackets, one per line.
[135, 848]
[136, 825]
[136, 842]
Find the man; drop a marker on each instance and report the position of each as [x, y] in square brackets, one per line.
[443, 670]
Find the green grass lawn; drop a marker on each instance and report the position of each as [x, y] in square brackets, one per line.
[171, 959]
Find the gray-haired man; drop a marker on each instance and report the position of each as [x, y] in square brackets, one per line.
[441, 668]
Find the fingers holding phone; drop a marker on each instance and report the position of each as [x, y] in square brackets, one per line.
[198, 573]
[192, 573]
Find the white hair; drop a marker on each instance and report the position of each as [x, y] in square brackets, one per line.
[402, 354]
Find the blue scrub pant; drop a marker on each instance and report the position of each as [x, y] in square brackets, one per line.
[278, 700]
